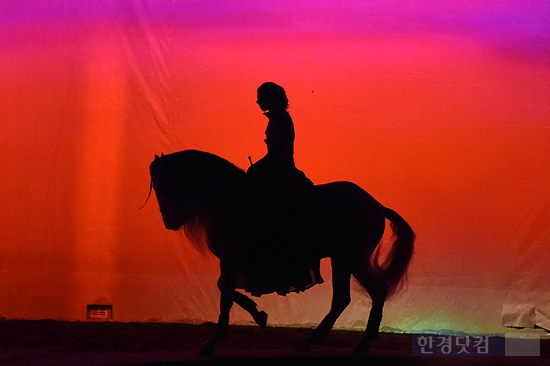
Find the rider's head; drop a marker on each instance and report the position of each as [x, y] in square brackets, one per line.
[271, 97]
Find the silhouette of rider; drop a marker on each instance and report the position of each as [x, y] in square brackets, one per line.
[276, 170]
[281, 195]
[279, 132]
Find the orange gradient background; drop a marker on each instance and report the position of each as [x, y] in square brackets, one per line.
[440, 111]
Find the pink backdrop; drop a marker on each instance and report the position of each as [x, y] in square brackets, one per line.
[440, 110]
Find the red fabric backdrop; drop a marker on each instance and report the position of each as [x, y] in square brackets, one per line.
[440, 110]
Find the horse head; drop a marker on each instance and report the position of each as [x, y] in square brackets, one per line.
[167, 180]
[194, 188]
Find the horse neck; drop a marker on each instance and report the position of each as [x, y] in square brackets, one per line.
[211, 184]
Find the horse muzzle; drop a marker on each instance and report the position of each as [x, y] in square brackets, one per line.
[171, 225]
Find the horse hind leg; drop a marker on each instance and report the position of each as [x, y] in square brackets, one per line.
[340, 300]
[377, 290]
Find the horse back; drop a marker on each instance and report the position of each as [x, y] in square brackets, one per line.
[346, 215]
[347, 196]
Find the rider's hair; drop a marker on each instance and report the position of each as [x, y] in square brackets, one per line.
[275, 93]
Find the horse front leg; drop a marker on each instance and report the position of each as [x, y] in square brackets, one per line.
[340, 300]
[226, 284]
[260, 317]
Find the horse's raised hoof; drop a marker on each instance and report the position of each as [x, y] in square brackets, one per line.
[304, 346]
[261, 319]
[209, 348]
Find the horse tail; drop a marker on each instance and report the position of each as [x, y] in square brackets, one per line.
[394, 268]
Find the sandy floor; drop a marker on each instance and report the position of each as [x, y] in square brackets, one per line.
[50, 342]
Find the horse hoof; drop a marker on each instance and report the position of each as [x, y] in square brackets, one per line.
[208, 349]
[361, 348]
[261, 319]
[304, 346]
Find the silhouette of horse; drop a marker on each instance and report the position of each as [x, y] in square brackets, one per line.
[201, 191]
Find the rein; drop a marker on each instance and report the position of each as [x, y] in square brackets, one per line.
[152, 171]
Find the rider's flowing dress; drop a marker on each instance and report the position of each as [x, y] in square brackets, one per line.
[283, 258]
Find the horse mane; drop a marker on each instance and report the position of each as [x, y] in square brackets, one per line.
[202, 177]
[195, 230]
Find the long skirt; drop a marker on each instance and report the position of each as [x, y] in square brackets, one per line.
[281, 257]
